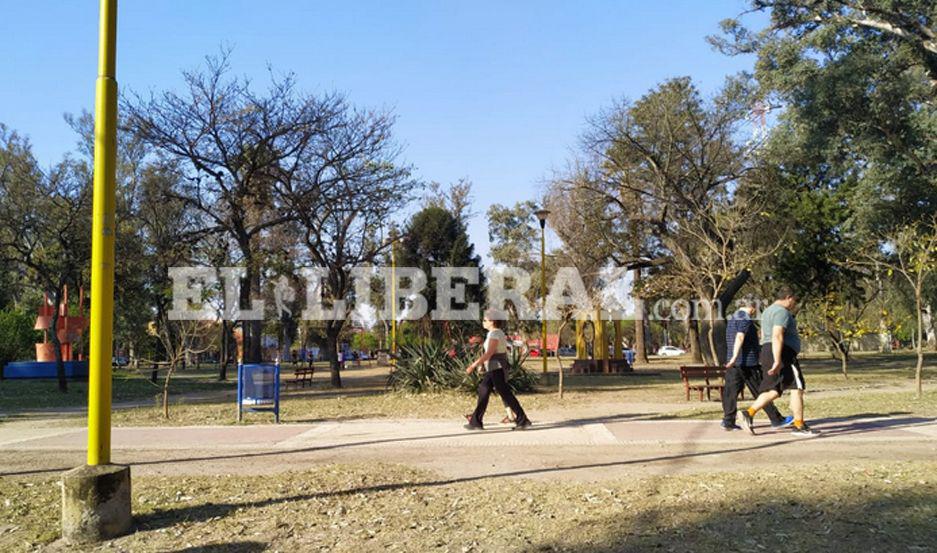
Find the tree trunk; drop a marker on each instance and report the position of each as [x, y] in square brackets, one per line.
[692, 331]
[224, 353]
[640, 344]
[884, 335]
[711, 337]
[724, 300]
[56, 343]
[287, 335]
[169, 372]
[132, 353]
[252, 329]
[928, 322]
[918, 371]
[841, 351]
[335, 369]
[559, 362]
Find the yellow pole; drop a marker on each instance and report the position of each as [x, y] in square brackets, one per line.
[393, 306]
[600, 343]
[102, 241]
[543, 297]
[580, 337]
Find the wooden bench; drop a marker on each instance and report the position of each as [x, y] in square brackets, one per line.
[302, 376]
[713, 378]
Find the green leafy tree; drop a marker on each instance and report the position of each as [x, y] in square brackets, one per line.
[514, 235]
[365, 341]
[17, 337]
[45, 229]
[855, 80]
[435, 237]
[684, 197]
[909, 252]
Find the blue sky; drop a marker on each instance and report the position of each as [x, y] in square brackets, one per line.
[495, 91]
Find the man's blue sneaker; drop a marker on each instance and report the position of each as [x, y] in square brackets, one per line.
[730, 426]
[787, 422]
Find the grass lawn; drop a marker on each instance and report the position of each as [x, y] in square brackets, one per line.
[128, 386]
[872, 388]
[878, 384]
[850, 507]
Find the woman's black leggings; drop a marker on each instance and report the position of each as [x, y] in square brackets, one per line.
[494, 379]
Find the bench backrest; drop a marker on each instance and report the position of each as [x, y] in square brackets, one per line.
[700, 371]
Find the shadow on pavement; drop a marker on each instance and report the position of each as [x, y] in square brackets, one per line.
[226, 547]
[841, 426]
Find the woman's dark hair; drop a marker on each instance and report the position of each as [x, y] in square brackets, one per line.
[497, 317]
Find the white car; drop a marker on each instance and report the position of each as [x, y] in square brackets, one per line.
[670, 351]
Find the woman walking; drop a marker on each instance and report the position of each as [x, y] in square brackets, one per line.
[495, 357]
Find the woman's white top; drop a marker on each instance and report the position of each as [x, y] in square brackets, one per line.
[497, 334]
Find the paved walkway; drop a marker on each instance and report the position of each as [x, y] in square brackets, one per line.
[579, 449]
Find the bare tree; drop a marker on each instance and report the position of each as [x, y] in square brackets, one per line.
[686, 197]
[234, 147]
[457, 199]
[578, 217]
[342, 199]
[179, 341]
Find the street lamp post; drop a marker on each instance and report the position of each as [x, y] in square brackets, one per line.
[393, 305]
[96, 496]
[542, 217]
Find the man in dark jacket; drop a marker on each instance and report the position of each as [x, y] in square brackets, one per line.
[743, 369]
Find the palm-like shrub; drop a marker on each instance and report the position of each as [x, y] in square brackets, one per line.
[519, 378]
[423, 367]
[434, 366]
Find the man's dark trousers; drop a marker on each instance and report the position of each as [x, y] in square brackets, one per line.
[750, 377]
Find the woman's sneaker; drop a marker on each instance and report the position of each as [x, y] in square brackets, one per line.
[805, 431]
[523, 425]
[471, 425]
[747, 422]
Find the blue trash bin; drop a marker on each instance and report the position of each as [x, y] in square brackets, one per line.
[259, 388]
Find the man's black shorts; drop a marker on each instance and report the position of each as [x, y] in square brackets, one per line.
[790, 377]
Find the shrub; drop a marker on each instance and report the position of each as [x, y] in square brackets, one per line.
[434, 366]
[364, 341]
[422, 367]
[17, 337]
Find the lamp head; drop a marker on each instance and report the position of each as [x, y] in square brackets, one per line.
[542, 216]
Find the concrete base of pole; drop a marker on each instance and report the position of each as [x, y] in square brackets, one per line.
[96, 503]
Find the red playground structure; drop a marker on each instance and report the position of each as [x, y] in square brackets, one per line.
[68, 328]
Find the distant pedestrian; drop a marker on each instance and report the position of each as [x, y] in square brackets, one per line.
[495, 360]
[780, 345]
